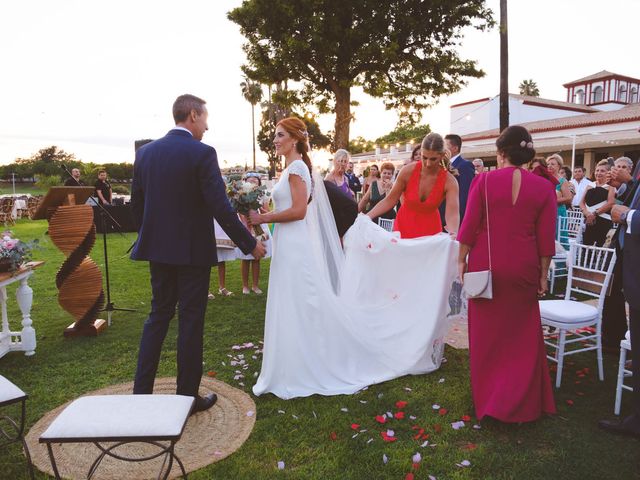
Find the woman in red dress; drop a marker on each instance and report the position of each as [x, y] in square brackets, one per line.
[425, 184]
[509, 374]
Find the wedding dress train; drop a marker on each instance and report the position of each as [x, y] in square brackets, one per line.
[337, 322]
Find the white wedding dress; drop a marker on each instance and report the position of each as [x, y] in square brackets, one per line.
[336, 322]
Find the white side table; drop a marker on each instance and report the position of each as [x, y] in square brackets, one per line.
[24, 340]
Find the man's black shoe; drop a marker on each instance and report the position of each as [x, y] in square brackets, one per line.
[626, 427]
[204, 403]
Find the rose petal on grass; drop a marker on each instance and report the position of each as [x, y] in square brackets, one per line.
[470, 446]
[437, 427]
[333, 435]
[355, 426]
[424, 444]
[417, 458]
[281, 411]
[385, 459]
[407, 389]
[398, 415]
[441, 380]
[211, 373]
[381, 418]
[412, 417]
[442, 411]
[409, 476]
[570, 403]
[435, 406]
[465, 418]
[477, 427]
[457, 425]
[250, 413]
[280, 465]
[344, 409]
[401, 404]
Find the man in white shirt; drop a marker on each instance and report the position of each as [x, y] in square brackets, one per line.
[580, 183]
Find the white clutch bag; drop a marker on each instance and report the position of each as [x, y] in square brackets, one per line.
[478, 284]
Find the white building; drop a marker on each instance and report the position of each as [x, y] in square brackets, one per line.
[600, 118]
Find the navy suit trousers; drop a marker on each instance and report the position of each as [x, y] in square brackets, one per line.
[187, 287]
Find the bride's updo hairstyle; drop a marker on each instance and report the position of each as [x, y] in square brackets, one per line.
[434, 142]
[298, 131]
[516, 144]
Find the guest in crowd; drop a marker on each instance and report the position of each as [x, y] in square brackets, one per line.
[614, 312]
[565, 172]
[343, 207]
[580, 184]
[74, 181]
[378, 191]
[563, 192]
[248, 262]
[337, 175]
[354, 181]
[372, 175]
[596, 205]
[225, 252]
[464, 172]
[478, 165]
[538, 166]
[425, 185]
[103, 188]
[509, 374]
[415, 155]
[628, 218]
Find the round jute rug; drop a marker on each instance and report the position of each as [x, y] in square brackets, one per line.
[208, 437]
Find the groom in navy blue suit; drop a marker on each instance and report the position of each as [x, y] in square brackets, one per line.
[466, 173]
[176, 193]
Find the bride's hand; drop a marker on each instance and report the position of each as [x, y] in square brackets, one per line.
[254, 218]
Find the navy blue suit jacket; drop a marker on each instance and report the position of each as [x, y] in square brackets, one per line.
[466, 174]
[176, 192]
[631, 250]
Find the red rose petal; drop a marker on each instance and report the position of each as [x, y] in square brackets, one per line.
[333, 436]
[466, 418]
[399, 415]
[381, 419]
[437, 428]
[409, 476]
[355, 426]
[470, 446]
[570, 402]
[401, 404]
[415, 466]
[443, 411]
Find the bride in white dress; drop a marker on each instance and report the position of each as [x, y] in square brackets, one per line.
[319, 338]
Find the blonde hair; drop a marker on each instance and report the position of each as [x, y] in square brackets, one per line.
[557, 158]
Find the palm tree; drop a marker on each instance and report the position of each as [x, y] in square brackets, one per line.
[252, 93]
[530, 88]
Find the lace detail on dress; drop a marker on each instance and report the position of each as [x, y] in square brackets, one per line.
[298, 167]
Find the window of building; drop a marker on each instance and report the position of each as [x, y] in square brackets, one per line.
[622, 93]
[596, 95]
[579, 97]
[634, 95]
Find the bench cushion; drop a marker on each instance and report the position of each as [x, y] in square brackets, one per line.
[9, 393]
[121, 417]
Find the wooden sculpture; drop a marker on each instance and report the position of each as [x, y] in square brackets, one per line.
[79, 279]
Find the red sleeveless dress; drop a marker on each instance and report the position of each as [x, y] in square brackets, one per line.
[416, 218]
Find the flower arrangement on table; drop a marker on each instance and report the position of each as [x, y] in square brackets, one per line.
[246, 196]
[14, 253]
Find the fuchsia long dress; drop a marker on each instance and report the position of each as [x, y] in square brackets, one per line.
[509, 374]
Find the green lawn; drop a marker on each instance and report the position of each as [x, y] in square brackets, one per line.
[320, 443]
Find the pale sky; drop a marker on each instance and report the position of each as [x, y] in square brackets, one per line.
[93, 76]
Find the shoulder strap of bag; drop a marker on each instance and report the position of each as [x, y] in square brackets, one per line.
[486, 201]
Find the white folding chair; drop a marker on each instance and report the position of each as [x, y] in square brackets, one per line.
[386, 223]
[589, 273]
[623, 372]
[569, 229]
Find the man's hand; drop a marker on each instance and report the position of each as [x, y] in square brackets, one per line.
[260, 251]
[616, 211]
[619, 176]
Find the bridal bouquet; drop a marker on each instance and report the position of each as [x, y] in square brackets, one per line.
[14, 252]
[246, 196]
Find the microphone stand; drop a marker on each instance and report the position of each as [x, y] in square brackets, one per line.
[109, 307]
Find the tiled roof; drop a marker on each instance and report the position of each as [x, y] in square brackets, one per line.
[545, 102]
[598, 76]
[628, 113]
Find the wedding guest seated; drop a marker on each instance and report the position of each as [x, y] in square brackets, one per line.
[596, 205]
[337, 174]
[425, 186]
[379, 189]
[509, 210]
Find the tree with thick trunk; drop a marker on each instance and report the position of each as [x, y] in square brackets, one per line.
[403, 51]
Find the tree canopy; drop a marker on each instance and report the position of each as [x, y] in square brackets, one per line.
[403, 51]
[529, 87]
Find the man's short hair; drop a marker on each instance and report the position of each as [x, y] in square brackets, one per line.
[478, 161]
[454, 139]
[102, 171]
[626, 160]
[184, 104]
[580, 167]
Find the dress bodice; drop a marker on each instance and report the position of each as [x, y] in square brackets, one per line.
[281, 193]
[412, 193]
